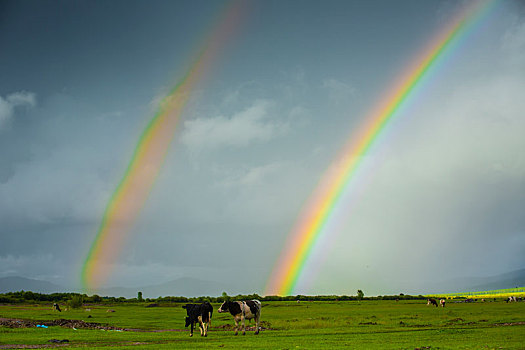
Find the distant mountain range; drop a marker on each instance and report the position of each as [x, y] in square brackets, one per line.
[471, 284]
[191, 287]
[16, 283]
[188, 287]
[185, 286]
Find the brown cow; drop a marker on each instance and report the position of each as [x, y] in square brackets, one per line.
[432, 301]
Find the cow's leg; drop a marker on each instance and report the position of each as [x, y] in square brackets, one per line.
[243, 320]
[236, 326]
[209, 323]
[257, 318]
[199, 321]
[191, 329]
[205, 326]
[201, 328]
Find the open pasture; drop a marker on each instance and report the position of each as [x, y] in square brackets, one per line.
[286, 325]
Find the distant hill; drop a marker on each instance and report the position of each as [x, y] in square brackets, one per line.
[16, 283]
[471, 284]
[192, 287]
[506, 280]
[188, 287]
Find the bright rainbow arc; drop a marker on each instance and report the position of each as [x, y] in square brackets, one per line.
[313, 220]
[148, 157]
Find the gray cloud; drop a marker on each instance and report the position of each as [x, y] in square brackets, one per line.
[339, 91]
[443, 192]
[439, 195]
[12, 101]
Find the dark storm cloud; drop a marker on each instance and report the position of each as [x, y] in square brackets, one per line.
[82, 79]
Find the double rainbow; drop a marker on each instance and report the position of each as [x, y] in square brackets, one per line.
[150, 152]
[312, 223]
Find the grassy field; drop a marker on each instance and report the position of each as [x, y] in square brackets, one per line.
[288, 325]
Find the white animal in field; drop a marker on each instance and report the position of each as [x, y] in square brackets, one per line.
[243, 310]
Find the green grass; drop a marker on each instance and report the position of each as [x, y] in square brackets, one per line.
[305, 325]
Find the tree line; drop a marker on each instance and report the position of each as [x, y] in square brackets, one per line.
[78, 298]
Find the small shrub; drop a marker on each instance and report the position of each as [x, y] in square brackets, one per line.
[76, 301]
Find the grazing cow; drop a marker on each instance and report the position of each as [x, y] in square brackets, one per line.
[243, 310]
[442, 302]
[432, 301]
[200, 314]
[56, 307]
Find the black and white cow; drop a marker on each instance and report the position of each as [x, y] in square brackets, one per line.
[243, 310]
[56, 307]
[201, 314]
[442, 302]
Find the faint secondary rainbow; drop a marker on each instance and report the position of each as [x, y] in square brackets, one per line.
[312, 222]
[148, 157]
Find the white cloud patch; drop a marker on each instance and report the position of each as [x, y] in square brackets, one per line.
[16, 99]
[338, 91]
[255, 176]
[253, 124]
[22, 98]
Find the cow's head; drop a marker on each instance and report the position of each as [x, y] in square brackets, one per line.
[225, 307]
[188, 322]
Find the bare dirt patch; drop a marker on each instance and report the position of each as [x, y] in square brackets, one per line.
[510, 324]
[78, 324]
[21, 323]
[37, 346]
[51, 346]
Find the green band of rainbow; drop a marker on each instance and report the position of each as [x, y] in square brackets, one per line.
[312, 221]
[148, 157]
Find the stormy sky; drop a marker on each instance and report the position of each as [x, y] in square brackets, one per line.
[444, 191]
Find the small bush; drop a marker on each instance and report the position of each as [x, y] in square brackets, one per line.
[76, 301]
